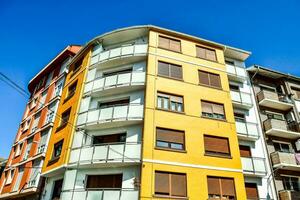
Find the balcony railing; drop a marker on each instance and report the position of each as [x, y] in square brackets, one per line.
[101, 194]
[288, 161]
[123, 51]
[289, 195]
[116, 81]
[236, 73]
[274, 100]
[254, 166]
[241, 99]
[281, 128]
[125, 113]
[247, 130]
[106, 153]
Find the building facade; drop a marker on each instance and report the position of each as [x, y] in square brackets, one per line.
[277, 96]
[21, 177]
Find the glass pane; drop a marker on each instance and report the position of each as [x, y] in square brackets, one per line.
[179, 107]
[173, 106]
[162, 144]
[176, 146]
[165, 103]
[159, 102]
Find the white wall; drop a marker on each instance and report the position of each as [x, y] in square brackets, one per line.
[47, 193]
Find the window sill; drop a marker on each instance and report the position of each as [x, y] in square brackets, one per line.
[218, 155]
[169, 149]
[172, 111]
[169, 49]
[168, 197]
[53, 160]
[212, 87]
[61, 127]
[172, 78]
[222, 120]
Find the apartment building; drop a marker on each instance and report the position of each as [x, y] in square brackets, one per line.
[21, 177]
[151, 118]
[277, 95]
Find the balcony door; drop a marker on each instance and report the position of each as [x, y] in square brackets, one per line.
[251, 191]
[57, 189]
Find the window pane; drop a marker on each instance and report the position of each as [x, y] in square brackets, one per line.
[203, 77]
[179, 107]
[178, 185]
[173, 106]
[159, 102]
[163, 68]
[165, 103]
[215, 80]
[213, 186]
[162, 183]
[176, 146]
[162, 144]
[175, 45]
[176, 71]
[211, 55]
[200, 52]
[163, 42]
[217, 145]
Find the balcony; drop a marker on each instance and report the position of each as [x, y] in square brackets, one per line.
[289, 195]
[285, 160]
[241, 99]
[114, 116]
[110, 154]
[100, 194]
[281, 128]
[236, 73]
[121, 55]
[254, 166]
[247, 130]
[125, 82]
[273, 100]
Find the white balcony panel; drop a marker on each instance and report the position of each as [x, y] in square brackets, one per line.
[132, 151]
[94, 59]
[255, 166]
[70, 177]
[241, 127]
[86, 154]
[247, 164]
[88, 87]
[140, 49]
[116, 152]
[132, 195]
[246, 128]
[106, 114]
[110, 81]
[66, 195]
[127, 50]
[230, 69]
[79, 195]
[240, 72]
[94, 195]
[135, 111]
[100, 153]
[93, 116]
[246, 98]
[74, 155]
[120, 112]
[138, 77]
[124, 79]
[259, 165]
[115, 52]
[235, 96]
[82, 118]
[111, 195]
[104, 55]
[98, 84]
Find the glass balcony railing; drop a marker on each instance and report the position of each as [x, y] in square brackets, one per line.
[253, 165]
[247, 130]
[115, 81]
[241, 99]
[122, 51]
[110, 114]
[101, 194]
[236, 73]
[107, 153]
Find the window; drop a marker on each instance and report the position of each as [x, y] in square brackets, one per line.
[10, 176]
[170, 184]
[58, 88]
[169, 43]
[115, 138]
[220, 188]
[170, 139]
[282, 147]
[251, 191]
[296, 92]
[272, 115]
[206, 53]
[18, 149]
[104, 181]
[234, 87]
[210, 79]
[57, 149]
[212, 110]
[229, 62]
[239, 117]
[291, 183]
[57, 189]
[71, 90]
[169, 102]
[245, 151]
[216, 146]
[108, 104]
[64, 118]
[169, 70]
[77, 65]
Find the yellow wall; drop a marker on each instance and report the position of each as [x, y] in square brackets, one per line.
[67, 132]
[191, 122]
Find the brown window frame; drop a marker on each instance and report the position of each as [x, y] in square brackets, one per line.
[170, 192]
[213, 115]
[169, 43]
[216, 153]
[206, 49]
[170, 65]
[71, 92]
[114, 177]
[55, 146]
[209, 79]
[168, 97]
[63, 123]
[170, 143]
[219, 186]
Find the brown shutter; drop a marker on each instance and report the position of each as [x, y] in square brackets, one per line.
[227, 185]
[175, 45]
[213, 185]
[200, 52]
[215, 80]
[211, 55]
[206, 107]
[203, 77]
[245, 151]
[178, 185]
[168, 135]
[176, 71]
[163, 42]
[163, 68]
[251, 191]
[162, 183]
[216, 144]
[218, 109]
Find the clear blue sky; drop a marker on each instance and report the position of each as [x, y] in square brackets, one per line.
[33, 32]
